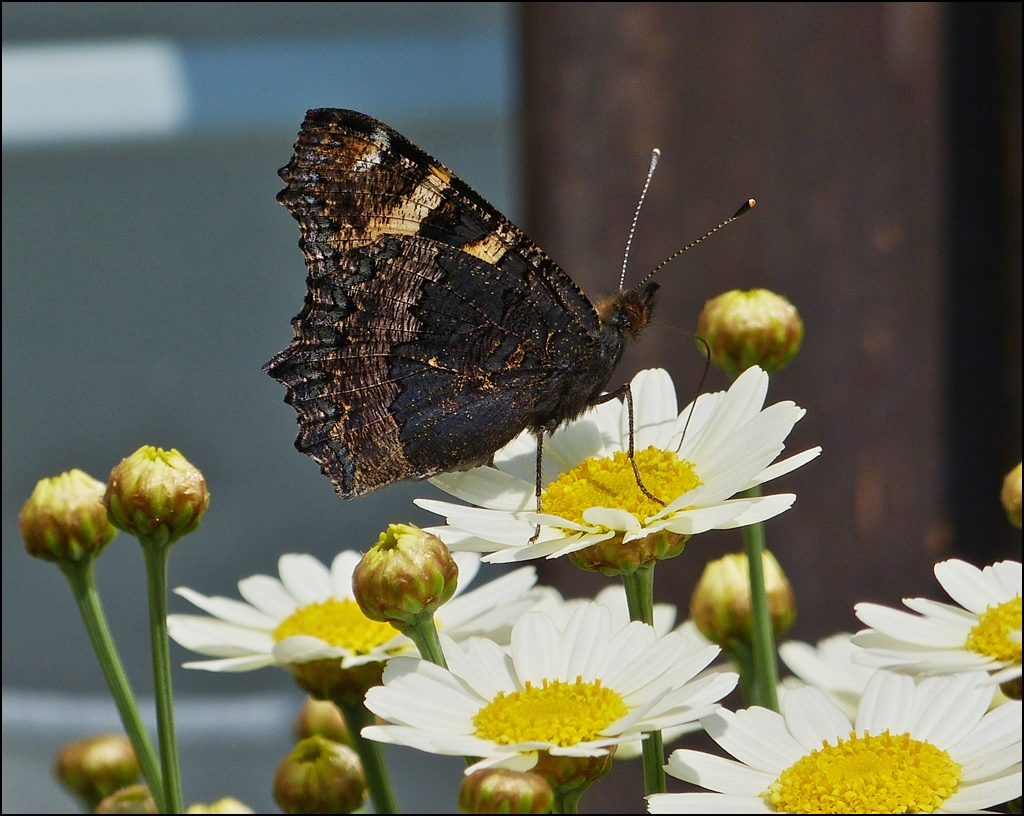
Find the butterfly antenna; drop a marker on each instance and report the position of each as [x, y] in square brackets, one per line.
[749, 204]
[655, 156]
[700, 385]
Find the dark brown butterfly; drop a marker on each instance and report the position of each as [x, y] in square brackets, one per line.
[433, 330]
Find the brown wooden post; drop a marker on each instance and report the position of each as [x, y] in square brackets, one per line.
[831, 117]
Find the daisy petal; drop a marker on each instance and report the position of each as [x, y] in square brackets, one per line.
[705, 803]
[981, 795]
[761, 508]
[342, 567]
[229, 610]
[783, 467]
[717, 774]
[488, 487]
[268, 595]
[887, 703]
[232, 664]
[305, 578]
[909, 628]
[813, 719]
[966, 584]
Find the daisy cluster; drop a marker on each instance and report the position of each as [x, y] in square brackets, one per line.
[901, 717]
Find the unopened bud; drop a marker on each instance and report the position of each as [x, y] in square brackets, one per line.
[1011, 495]
[404, 577]
[226, 805]
[64, 519]
[320, 776]
[327, 680]
[156, 495]
[95, 767]
[321, 718]
[612, 557]
[133, 799]
[500, 790]
[720, 605]
[743, 329]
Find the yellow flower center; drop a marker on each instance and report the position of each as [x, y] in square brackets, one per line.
[875, 773]
[340, 623]
[610, 482]
[558, 713]
[991, 636]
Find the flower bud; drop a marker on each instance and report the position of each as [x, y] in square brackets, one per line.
[320, 776]
[226, 805]
[64, 519]
[1011, 495]
[743, 329]
[612, 557]
[572, 773]
[720, 605]
[321, 718]
[133, 799]
[499, 790]
[156, 494]
[95, 767]
[404, 577]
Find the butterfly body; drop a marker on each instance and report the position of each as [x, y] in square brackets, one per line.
[433, 330]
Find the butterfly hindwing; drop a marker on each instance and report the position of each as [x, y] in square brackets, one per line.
[433, 330]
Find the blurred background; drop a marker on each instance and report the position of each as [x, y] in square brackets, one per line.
[148, 273]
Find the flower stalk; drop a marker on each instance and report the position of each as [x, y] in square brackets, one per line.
[371, 755]
[764, 661]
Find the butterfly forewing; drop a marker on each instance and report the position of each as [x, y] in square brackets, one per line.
[433, 330]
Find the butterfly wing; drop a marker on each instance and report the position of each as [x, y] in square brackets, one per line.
[433, 330]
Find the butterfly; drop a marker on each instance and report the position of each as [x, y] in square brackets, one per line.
[433, 331]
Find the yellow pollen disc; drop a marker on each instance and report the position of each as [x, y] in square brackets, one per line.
[340, 623]
[991, 636]
[610, 482]
[875, 773]
[558, 713]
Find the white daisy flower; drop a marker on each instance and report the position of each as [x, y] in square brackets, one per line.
[574, 691]
[614, 597]
[828, 666]
[983, 632]
[930, 748]
[310, 614]
[695, 461]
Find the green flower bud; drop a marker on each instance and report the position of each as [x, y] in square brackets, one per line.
[404, 577]
[743, 329]
[64, 519]
[95, 767]
[226, 805]
[570, 775]
[320, 776]
[133, 799]
[321, 718]
[156, 494]
[1011, 495]
[720, 605]
[611, 557]
[499, 790]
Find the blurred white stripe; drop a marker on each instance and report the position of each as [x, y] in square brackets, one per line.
[95, 91]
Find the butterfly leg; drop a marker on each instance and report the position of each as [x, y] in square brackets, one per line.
[625, 389]
[538, 485]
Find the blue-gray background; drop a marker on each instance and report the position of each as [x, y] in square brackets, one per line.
[145, 282]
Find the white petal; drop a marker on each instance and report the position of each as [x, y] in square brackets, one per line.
[484, 666]
[583, 642]
[887, 703]
[488, 487]
[967, 585]
[611, 519]
[535, 642]
[701, 519]
[761, 508]
[573, 443]
[705, 803]
[783, 467]
[755, 736]
[466, 609]
[655, 410]
[268, 595]
[519, 457]
[216, 638]
[342, 567]
[690, 428]
[999, 728]
[232, 664]
[305, 578]
[741, 404]
[228, 610]
[812, 718]
[910, 628]
[303, 648]
[955, 709]
[944, 612]
[717, 774]
[1008, 576]
[493, 525]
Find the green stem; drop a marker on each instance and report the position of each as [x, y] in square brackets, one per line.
[568, 801]
[156, 554]
[738, 651]
[82, 579]
[424, 634]
[766, 672]
[371, 754]
[639, 586]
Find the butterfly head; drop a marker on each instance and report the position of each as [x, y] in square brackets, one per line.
[629, 311]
